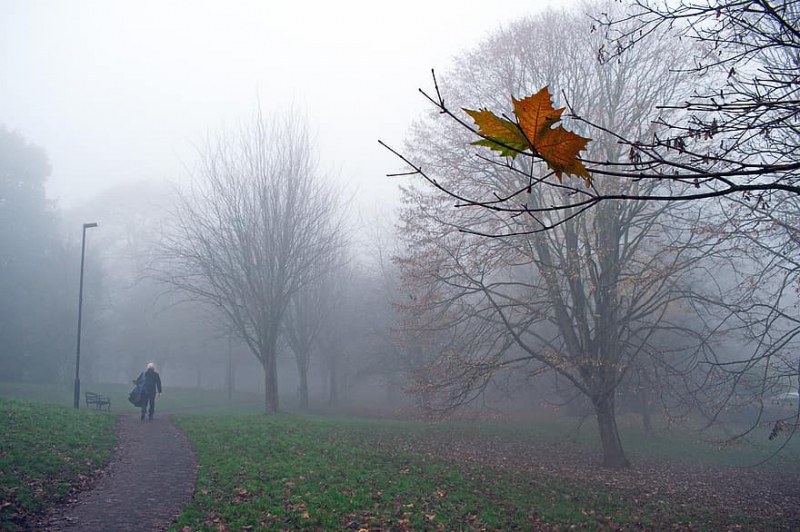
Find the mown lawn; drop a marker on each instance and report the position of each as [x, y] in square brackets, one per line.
[45, 450]
[313, 472]
[173, 400]
[292, 472]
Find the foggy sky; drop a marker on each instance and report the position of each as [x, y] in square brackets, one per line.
[120, 91]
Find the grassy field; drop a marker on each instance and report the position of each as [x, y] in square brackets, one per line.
[173, 400]
[294, 472]
[299, 471]
[46, 450]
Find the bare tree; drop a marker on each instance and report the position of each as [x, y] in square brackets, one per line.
[341, 327]
[252, 230]
[730, 146]
[583, 299]
[300, 332]
[311, 312]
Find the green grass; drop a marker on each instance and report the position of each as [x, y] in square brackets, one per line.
[44, 451]
[173, 400]
[670, 443]
[291, 472]
[710, 448]
[54, 393]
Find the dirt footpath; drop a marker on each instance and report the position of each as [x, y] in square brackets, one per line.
[150, 479]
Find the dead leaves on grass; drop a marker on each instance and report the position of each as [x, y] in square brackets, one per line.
[660, 494]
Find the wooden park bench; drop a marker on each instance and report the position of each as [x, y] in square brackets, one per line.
[97, 400]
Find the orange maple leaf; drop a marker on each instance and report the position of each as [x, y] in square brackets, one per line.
[533, 131]
[536, 114]
[560, 148]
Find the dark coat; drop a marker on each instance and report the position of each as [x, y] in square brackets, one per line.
[152, 382]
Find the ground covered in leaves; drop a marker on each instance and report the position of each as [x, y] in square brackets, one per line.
[293, 472]
[668, 493]
[48, 453]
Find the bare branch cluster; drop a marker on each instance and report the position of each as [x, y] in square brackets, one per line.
[735, 133]
[254, 229]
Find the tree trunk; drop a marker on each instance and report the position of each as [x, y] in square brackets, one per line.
[302, 360]
[613, 455]
[333, 390]
[229, 372]
[303, 389]
[644, 406]
[271, 385]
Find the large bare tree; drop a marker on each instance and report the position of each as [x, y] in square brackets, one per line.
[732, 140]
[583, 299]
[252, 229]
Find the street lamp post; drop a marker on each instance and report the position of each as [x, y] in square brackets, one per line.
[80, 307]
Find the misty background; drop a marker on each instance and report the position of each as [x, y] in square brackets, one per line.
[118, 98]
[146, 117]
[122, 92]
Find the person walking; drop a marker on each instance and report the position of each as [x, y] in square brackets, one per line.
[152, 383]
